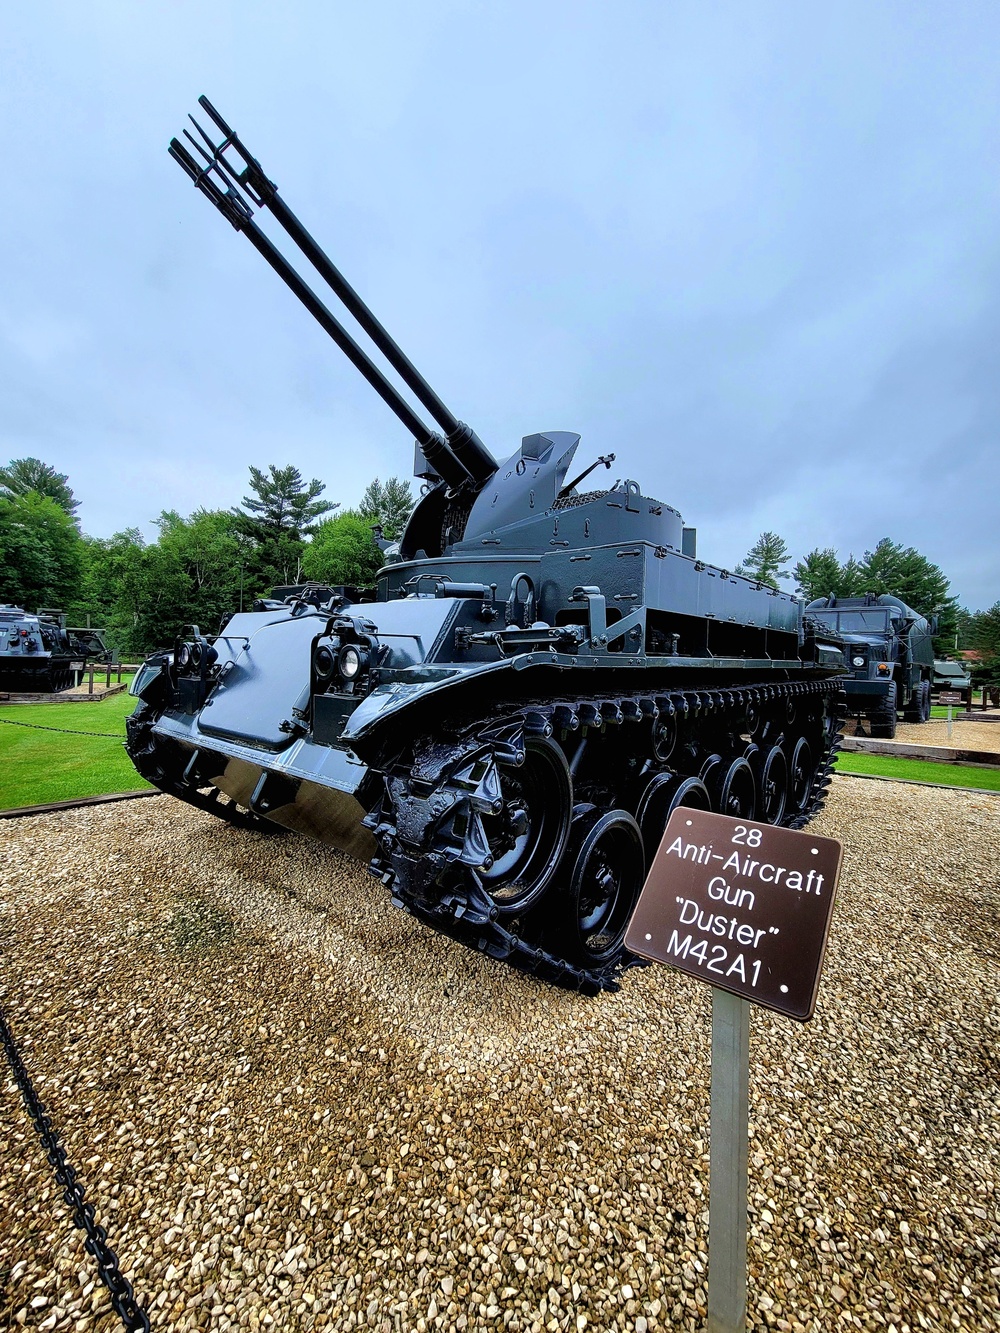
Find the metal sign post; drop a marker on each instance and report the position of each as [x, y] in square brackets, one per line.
[950, 698]
[745, 907]
[728, 1146]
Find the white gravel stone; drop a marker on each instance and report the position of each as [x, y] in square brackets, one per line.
[295, 1107]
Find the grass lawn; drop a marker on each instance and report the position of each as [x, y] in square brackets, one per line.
[41, 766]
[919, 770]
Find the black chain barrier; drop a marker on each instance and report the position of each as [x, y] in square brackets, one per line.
[64, 731]
[96, 1244]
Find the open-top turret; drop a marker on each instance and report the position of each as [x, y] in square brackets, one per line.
[543, 675]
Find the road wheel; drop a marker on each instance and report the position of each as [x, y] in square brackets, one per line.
[734, 791]
[800, 774]
[661, 798]
[608, 870]
[773, 786]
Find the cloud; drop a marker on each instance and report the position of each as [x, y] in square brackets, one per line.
[753, 250]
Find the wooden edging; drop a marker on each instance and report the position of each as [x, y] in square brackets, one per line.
[938, 754]
[55, 806]
[101, 692]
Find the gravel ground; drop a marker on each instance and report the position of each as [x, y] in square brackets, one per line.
[964, 735]
[294, 1107]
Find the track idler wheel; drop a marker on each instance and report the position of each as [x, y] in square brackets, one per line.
[608, 869]
[663, 794]
[528, 829]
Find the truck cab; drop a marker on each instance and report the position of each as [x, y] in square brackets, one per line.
[890, 656]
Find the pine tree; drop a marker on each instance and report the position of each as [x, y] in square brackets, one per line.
[22, 475]
[984, 632]
[818, 574]
[764, 560]
[276, 519]
[389, 504]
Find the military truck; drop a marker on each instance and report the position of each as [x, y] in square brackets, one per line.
[890, 653]
[950, 676]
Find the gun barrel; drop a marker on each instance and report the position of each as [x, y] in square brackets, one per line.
[241, 217]
[244, 176]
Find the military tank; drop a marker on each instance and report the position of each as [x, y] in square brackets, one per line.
[37, 649]
[544, 674]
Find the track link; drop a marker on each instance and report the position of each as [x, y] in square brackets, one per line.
[144, 751]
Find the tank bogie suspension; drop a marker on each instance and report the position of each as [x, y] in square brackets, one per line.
[530, 839]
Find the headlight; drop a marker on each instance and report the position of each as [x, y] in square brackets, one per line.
[196, 654]
[184, 656]
[351, 661]
[858, 661]
[324, 662]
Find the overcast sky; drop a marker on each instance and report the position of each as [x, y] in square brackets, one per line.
[752, 248]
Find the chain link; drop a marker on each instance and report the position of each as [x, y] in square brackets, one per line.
[64, 731]
[96, 1243]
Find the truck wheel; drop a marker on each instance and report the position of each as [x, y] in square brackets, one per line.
[925, 701]
[883, 720]
[913, 710]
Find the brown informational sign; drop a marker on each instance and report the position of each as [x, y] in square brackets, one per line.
[949, 697]
[741, 905]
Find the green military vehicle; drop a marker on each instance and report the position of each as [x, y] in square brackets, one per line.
[950, 676]
[890, 653]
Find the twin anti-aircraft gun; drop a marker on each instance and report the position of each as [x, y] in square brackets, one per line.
[543, 675]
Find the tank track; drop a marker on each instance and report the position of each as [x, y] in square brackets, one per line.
[443, 779]
[145, 753]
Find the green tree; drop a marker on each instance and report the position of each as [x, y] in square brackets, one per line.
[852, 578]
[22, 475]
[209, 550]
[764, 560]
[890, 568]
[963, 629]
[40, 551]
[922, 585]
[139, 593]
[984, 632]
[819, 574]
[389, 503]
[343, 551]
[276, 519]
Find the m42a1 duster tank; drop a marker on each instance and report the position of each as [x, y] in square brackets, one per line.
[545, 673]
